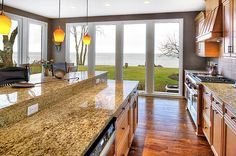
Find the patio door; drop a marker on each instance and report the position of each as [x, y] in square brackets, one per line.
[168, 57]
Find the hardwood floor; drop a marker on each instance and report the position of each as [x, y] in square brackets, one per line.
[166, 129]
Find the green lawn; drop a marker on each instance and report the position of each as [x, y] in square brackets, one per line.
[161, 78]
[161, 75]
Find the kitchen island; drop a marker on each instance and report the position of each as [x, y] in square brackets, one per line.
[70, 126]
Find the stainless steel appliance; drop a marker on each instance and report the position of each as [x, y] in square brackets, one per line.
[105, 143]
[193, 94]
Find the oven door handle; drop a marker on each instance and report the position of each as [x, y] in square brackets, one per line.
[108, 145]
[192, 92]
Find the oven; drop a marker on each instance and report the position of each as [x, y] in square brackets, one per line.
[193, 96]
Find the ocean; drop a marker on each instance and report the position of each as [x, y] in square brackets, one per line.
[134, 59]
[131, 58]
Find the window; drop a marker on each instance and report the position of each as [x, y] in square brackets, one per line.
[105, 49]
[167, 50]
[36, 45]
[15, 55]
[134, 53]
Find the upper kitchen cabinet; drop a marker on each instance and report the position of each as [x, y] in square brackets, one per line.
[229, 27]
[209, 30]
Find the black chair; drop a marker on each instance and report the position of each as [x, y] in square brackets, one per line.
[59, 66]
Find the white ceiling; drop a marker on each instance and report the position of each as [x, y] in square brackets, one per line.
[77, 8]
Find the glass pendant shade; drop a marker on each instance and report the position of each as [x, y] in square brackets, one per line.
[59, 35]
[5, 24]
[87, 39]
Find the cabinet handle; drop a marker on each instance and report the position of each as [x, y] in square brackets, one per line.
[205, 127]
[123, 108]
[123, 128]
[206, 93]
[233, 118]
[206, 107]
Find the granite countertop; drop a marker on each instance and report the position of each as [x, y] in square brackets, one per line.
[225, 92]
[68, 127]
[10, 96]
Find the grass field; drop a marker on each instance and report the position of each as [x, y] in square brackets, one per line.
[161, 75]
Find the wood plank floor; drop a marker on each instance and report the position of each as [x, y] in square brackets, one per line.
[166, 129]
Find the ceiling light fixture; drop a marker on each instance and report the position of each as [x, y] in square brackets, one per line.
[147, 2]
[59, 34]
[5, 22]
[107, 4]
[87, 37]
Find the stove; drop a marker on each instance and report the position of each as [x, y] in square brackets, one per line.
[211, 79]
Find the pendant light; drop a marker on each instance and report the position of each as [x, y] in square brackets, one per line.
[5, 22]
[59, 34]
[87, 38]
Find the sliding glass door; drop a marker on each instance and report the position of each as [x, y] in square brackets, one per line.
[134, 53]
[37, 48]
[167, 54]
[105, 49]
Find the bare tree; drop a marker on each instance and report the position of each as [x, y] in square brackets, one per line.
[80, 48]
[6, 54]
[170, 47]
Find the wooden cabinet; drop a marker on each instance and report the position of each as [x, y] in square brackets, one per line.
[126, 125]
[217, 138]
[220, 131]
[122, 132]
[206, 115]
[227, 27]
[230, 133]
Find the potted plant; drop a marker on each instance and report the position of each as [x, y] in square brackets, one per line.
[47, 65]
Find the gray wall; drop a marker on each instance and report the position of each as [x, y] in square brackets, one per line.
[191, 60]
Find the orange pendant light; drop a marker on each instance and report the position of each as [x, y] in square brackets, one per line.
[59, 34]
[5, 22]
[87, 38]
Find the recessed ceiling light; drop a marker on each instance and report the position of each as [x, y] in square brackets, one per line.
[147, 2]
[73, 7]
[107, 4]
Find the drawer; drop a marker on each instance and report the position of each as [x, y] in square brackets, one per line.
[231, 117]
[123, 148]
[122, 126]
[206, 128]
[218, 104]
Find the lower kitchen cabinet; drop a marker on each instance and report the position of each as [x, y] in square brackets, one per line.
[230, 134]
[217, 134]
[126, 125]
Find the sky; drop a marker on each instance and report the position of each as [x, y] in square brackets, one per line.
[134, 37]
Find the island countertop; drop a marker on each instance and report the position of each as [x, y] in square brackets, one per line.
[68, 127]
[44, 85]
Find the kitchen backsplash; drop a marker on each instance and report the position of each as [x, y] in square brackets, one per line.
[226, 66]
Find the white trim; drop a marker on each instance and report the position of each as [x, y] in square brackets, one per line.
[151, 23]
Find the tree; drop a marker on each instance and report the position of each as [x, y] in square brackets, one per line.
[170, 47]
[6, 54]
[81, 49]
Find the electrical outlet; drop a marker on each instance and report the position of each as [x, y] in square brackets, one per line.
[33, 109]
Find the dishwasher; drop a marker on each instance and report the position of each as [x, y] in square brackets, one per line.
[104, 145]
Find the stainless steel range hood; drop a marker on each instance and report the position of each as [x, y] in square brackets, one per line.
[212, 28]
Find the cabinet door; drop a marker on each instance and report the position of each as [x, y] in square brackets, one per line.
[230, 137]
[234, 28]
[217, 138]
[227, 27]
[131, 123]
[135, 113]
